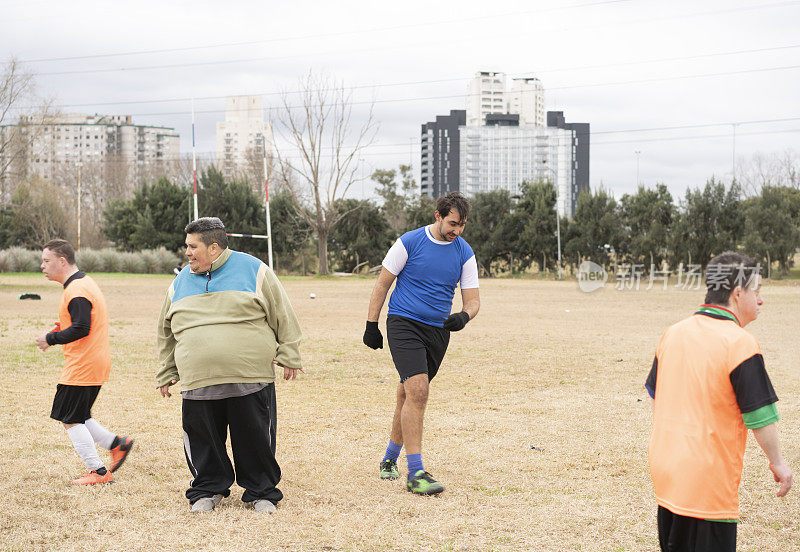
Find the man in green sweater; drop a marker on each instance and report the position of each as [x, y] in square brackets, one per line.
[225, 324]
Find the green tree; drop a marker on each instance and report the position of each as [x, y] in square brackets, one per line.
[537, 242]
[772, 225]
[419, 212]
[596, 229]
[154, 217]
[363, 236]
[487, 227]
[291, 235]
[397, 195]
[647, 218]
[237, 206]
[710, 222]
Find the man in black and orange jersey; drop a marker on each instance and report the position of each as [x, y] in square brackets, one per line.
[83, 315]
[710, 386]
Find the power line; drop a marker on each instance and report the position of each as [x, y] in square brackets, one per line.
[269, 58]
[440, 81]
[759, 6]
[208, 155]
[451, 96]
[322, 35]
[699, 137]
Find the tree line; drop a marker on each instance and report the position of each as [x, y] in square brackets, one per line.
[509, 234]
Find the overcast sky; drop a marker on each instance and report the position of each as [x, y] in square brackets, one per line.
[621, 66]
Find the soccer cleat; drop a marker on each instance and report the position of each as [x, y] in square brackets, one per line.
[206, 504]
[93, 478]
[389, 469]
[422, 483]
[120, 452]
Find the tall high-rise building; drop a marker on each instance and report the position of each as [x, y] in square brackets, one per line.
[526, 98]
[580, 147]
[503, 139]
[501, 155]
[439, 167]
[244, 134]
[61, 140]
[485, 95]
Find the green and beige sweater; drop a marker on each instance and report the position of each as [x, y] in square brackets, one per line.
[226, 325]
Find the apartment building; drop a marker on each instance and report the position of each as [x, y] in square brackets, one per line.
[243, 135]
[45, 147]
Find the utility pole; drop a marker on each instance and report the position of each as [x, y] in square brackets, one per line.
[638, 153]
[558, 218]
[558, 233]
[733, 159]
[79, 165]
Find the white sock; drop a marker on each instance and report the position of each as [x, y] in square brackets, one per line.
[84, 446]
[101, 435]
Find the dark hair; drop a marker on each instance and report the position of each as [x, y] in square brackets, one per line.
[453, 200]
[211, 230]
[62, 248]
[725, 272]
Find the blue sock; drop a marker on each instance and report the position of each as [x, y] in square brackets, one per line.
[392, 451]
[414, 463]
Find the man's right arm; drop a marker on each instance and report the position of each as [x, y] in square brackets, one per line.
[767, 437]
[379, 292]
[372, 334]
[168, 374]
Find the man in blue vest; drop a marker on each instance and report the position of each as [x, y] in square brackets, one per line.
[428, 263]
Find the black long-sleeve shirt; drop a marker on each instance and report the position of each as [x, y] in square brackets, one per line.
[80, 311]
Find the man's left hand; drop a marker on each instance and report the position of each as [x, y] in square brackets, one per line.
[41, 342]
[456, 321]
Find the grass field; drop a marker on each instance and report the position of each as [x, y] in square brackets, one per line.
[543, 365]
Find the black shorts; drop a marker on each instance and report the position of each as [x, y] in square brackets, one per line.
[73, 403]
[677, 532]
[416, 348]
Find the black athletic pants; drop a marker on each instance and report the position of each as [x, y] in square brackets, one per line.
[252, 421]
[686, 534]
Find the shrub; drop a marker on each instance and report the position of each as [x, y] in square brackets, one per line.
[111, 260]
[152, 262]
[89, 260]
[132, 262]
[149, 261]
[168, 260]
[23, 260]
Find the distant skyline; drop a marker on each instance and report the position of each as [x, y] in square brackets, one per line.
[669, 80]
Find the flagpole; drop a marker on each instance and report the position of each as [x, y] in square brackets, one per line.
[194, 165]
[266, 202]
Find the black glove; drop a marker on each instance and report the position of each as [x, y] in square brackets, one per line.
[372, 336]
[456, 321]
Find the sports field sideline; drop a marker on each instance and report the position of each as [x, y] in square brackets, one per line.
[543, 365]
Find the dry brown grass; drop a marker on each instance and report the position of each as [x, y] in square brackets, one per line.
[543, 365]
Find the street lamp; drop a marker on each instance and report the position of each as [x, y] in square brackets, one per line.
[79, 165]
[558, 219]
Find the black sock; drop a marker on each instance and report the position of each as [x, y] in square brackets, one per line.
[115, 442]
[101, 471]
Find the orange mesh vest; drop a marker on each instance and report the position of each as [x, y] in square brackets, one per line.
[697, 445]
[87, 361]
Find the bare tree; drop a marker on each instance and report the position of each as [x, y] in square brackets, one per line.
[20, 124]
[39, 212]
[325, 148]
[777, 169]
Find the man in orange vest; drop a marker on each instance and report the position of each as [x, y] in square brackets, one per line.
[83, 315]
[710, 386]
